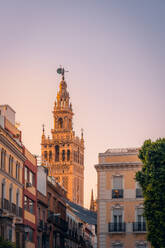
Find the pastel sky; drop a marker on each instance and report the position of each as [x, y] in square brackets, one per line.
[115, 53]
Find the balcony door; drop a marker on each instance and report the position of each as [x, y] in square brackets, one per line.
[3, 193]
[117, 219]
[141, 225]
[140, 217]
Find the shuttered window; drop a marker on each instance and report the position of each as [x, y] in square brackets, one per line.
[117, 182]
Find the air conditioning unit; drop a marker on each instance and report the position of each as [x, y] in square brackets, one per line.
[28, 185]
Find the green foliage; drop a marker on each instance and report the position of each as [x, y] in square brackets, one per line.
[152, 180]
[6, 244]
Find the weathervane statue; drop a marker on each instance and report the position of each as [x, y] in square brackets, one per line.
[61, 71]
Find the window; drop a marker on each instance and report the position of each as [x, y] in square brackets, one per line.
[3, 158]
[17, 170]
[57, 153]
[63, 155]
[31, 206]
[17, 199]
[139, 215]
[29, 235]
[32, 178]
[50, 155]
[10, 165]
[117, 182]
[140, 224]
[25, 203]
[26, 174]
[45, 154]
[68, 155]
[117, 215]
[28, 205]
[117, 225]
[117, 191]
[10, 194]
[139, 193]
[3, 190]
[60, 123]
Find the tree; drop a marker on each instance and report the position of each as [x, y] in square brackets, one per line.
[152, 180]
[6, 244]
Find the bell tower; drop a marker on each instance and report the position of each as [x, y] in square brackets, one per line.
[63, 153]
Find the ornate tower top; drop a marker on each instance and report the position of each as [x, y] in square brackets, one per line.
[63, 151]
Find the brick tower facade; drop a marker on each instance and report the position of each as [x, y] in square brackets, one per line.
[63, 153]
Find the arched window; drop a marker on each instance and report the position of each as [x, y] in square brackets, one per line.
[3, 158]
[68, 155]
[45, 154]
[63, 155]
[10, 165]
[50, 155]
[56, 153]
[60, 123]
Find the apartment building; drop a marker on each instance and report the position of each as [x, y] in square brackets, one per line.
[43, 229]
[51, 217]
[30, 199]
[56, 213]
[11, 179]
[120, 201]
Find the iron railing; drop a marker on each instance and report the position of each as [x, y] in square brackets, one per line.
[116, 227]
[117, 193]
[139, 227]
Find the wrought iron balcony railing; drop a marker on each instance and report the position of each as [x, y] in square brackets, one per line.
[117, 193]
[116, 227]
[59, 222]
[139, 227]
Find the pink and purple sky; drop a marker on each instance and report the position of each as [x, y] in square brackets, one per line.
[114, 51]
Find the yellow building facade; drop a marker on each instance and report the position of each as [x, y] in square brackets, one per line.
[63, 153]
[120, 201]
[11, 169]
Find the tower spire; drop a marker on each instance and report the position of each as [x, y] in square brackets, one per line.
[92, 207]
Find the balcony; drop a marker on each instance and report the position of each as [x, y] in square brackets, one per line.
[117, 193]
[11, 207]
[40, 225]
[59, 222]
[139, 193]
[139, 227]
[116, 227]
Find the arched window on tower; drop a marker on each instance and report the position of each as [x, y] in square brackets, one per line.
[45, 154]
[50, 155]
[70, 123]
[63, 155]
[56, 153]
[60, 123]
[68, 155]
